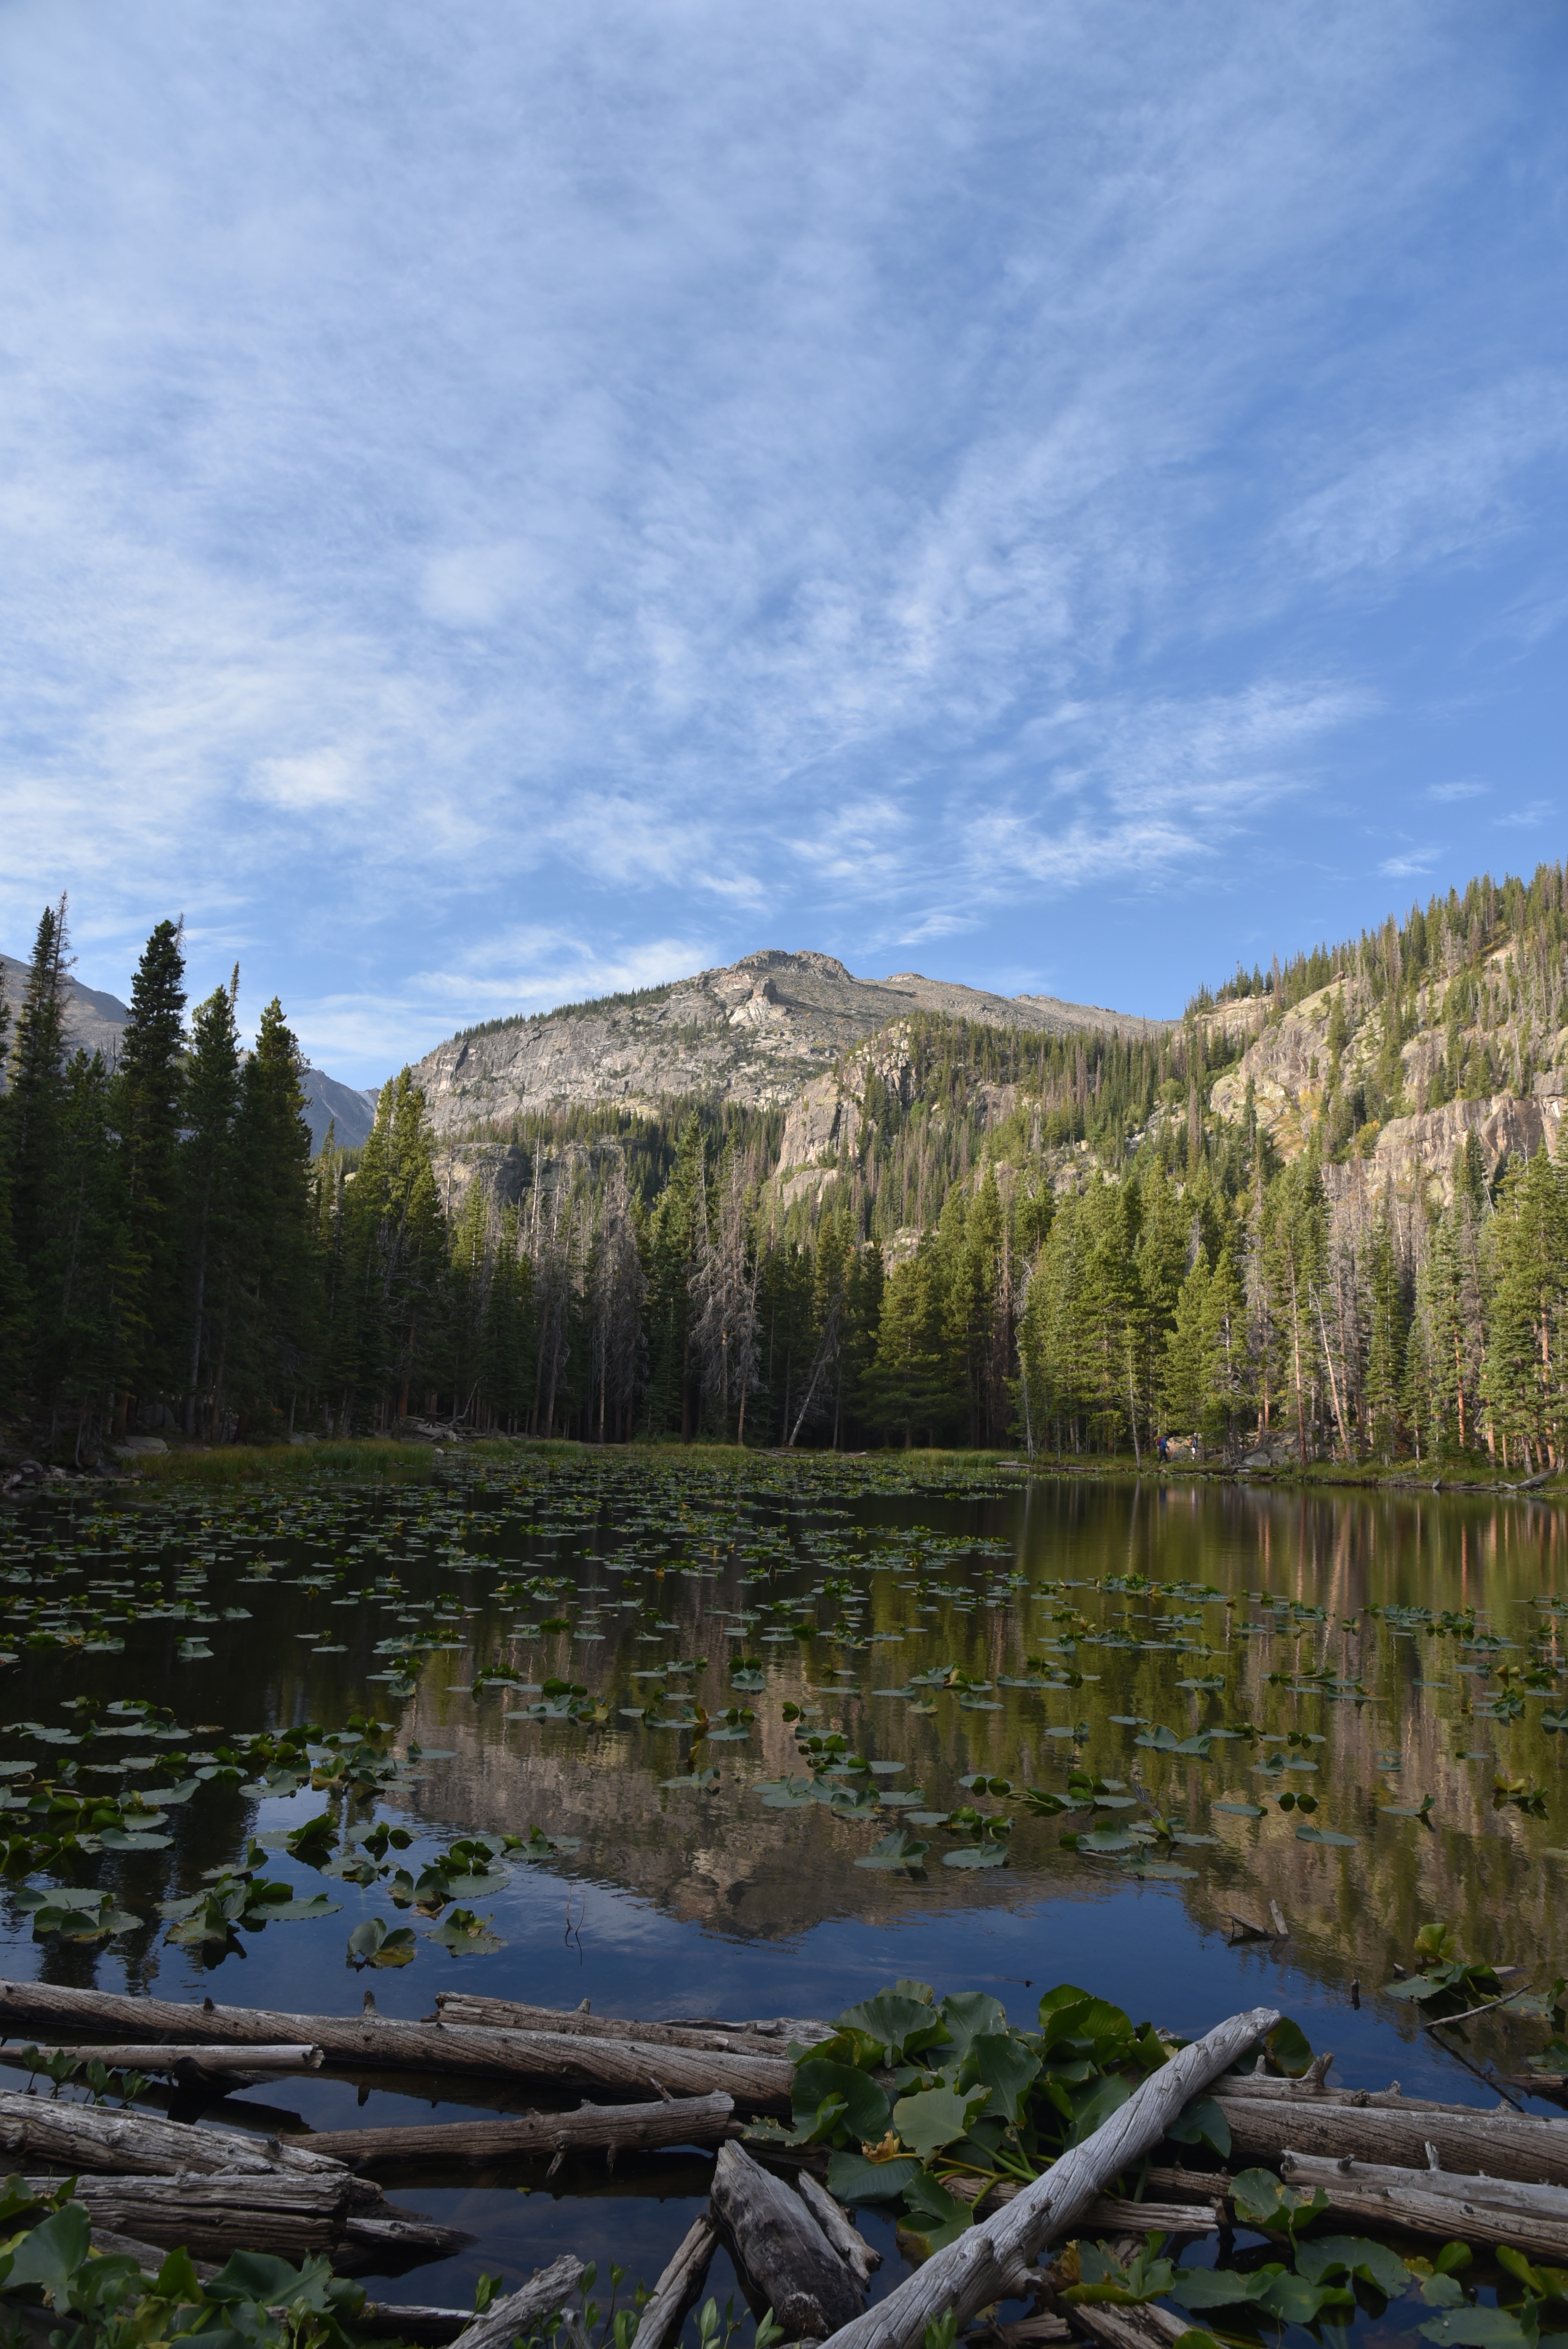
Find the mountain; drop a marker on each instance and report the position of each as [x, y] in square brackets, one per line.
[94, 1021]
[754, 1034]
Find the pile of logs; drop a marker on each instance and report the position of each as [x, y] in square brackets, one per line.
[1384, 2161]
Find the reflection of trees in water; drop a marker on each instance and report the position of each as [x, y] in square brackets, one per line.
[726, 1862]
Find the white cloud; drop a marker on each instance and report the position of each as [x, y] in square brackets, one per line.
[1445, 793]
[1443, 489]
[1409, 866]
[820, 467]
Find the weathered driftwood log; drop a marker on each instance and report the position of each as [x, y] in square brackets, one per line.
[764, 2038]
[160, 2056]
[108, 2245]
[370, 2041]
[546, 2290]
[1531, 2218]
[1131, 2328]
[789, 2259]
[1108, 2213]
[839, 2228]
[211, 2216]
[1504, 2143]
[1319, 2089]
[664, 2311]
[975, 2270]
[1030, 2331]
[92, 2137]
[684, 2120]
[430, 2328]
[389, 2237]
[291, 2213]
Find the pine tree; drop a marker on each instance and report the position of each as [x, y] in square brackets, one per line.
[1293, 1250]
[910, 1386]
[402, 1249]
[1521, 1383]
[13, 1296]
[1185, 1383]
[678, 1222]
[1386, 1337]
[149, 1103]
[279, 1302]
[210, 1186]
[35, 1105]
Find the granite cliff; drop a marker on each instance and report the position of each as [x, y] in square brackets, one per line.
[755, 1034]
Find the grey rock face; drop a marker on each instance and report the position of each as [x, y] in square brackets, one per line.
[756, 1033]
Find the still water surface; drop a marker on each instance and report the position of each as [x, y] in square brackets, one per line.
[1363, 1652]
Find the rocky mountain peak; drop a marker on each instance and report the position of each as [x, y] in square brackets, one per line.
[755, 1032]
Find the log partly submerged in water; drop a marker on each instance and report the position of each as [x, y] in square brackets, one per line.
[839, 2228]
[983, 2264]
[292, 2213]
[547, 2290]
[770, 2037]
[91, 2137]
[370, 2041]
[210, 2215]
[1381, 2126]
[783, 2250]
[684, 2120]
[205, 2063]
[1529, 2219]
[678, 2287]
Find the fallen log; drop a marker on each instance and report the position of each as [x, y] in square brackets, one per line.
[429, 2328]
[91, 2137]
[547, 2290]
[161, 2055]
[758, 2083]
[1148, 2327]
[784, 2253]
[684, 2120]
[212, 2216]
[1108, 2213]
[1529, 2219]
[376, 2240]
[108, 2245]
[1317, 2091]
[704, 2032]
[839, 2228]
[1397, 2131]
[967, 2275]
[664, 2313]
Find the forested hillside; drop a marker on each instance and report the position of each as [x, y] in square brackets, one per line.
[1324, 1213]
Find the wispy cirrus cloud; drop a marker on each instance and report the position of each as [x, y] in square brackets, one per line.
[853, 476]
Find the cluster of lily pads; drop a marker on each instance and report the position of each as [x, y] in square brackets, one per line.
[931, 2105]
[602, 1559]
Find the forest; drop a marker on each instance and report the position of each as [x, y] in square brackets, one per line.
[1036, 1241]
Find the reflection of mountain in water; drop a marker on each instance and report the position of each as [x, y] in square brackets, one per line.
[729, 1864]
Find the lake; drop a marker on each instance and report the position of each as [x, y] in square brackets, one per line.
[615, 1658]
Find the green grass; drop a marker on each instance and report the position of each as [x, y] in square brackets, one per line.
[226, 1466]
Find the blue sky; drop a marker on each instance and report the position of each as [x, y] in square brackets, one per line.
[502, 502]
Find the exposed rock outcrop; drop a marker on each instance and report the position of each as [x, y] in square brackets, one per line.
[756, 1033]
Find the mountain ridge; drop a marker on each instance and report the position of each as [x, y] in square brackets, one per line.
[753, 1032]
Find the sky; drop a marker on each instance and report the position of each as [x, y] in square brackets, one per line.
[500, 503]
